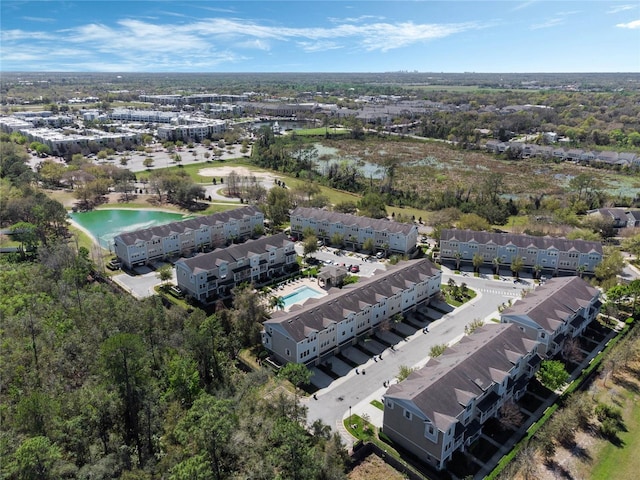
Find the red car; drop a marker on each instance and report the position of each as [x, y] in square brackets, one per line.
[355, 268]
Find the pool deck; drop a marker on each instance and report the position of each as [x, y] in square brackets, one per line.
[286, 288]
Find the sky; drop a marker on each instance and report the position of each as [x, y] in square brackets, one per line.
[320, 36]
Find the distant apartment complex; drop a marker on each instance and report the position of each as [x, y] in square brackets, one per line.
[442, 407]
[211, 276]
[556, 255]
[321, 327]
[554, 312]
[179, 238]
[387, 235]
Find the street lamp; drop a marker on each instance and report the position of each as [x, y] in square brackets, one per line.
[349, 412]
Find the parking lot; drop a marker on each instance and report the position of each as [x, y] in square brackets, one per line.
[366, 264]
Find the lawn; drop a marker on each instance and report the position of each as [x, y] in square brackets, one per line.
[621, 462]
[374, 468]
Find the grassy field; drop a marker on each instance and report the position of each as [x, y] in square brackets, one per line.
[622, 462]
[374, 468]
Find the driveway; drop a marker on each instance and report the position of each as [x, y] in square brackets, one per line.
[355, 391]
[143, 284]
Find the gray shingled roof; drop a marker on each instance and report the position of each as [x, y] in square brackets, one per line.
[316, 314]
[162, 231]
[550, 304]
[443, 387]
[377, 224]
[208, 261]
[521, 241]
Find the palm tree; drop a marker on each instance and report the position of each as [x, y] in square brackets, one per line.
[277, 302]
[478, 260]
[457, 256]
[580, 270]
[536, 270]
[516, 265]
[496, 264]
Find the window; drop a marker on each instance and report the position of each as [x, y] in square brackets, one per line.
[407, 414]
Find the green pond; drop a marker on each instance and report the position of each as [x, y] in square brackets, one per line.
[103, 225]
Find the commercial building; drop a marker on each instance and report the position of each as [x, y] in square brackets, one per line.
[321, 327]
[209, 277]
[179, 238]
[387, 236]
[551, 254]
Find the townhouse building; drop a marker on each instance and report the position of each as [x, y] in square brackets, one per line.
[442, 407]
[209, 277]
[179, 238]
[619, 217]
[388, 236]
[558, 310]
[322, 327]
[551, 254]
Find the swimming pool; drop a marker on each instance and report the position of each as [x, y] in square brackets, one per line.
[299, 295]
[103, 225]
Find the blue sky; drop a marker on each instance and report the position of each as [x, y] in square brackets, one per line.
[320, 36]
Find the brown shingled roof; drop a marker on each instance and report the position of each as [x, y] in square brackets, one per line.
[521, 241]
[377, 224]
[550, 304]
[350, 298]
[445, 384]
[162, 231]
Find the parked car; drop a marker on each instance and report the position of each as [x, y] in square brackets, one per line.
[380, 255]
[354, 269]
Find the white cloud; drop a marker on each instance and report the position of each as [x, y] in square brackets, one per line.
[631, 25]
[146, 44]
[521, 6]
[39, 19]
[552, 22]
[621, 8]
[361, 18]
[319, 46]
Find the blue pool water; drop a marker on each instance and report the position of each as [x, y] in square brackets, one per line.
[106, 224]
[299, 295]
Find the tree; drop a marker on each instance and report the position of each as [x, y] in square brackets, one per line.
[404, 372]
[552, 374]
[205, 432]
[458, 257]
[277, 302]
[611, 265]
[372, 205]
[337, 240]
[164, 274]
[496, 264]
[296, 373]
[309, 245]
[477, 261]
[278, 206]
[123, 360]
[26, 234]
[473, 326]
[517, 264]
[510, 416]
[368, 245]
[473, 221]
[536, 270]
[36, 458]
[148, 162]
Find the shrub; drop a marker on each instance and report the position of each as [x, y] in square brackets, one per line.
[609, 428]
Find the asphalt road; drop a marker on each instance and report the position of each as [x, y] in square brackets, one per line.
[356, 390]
